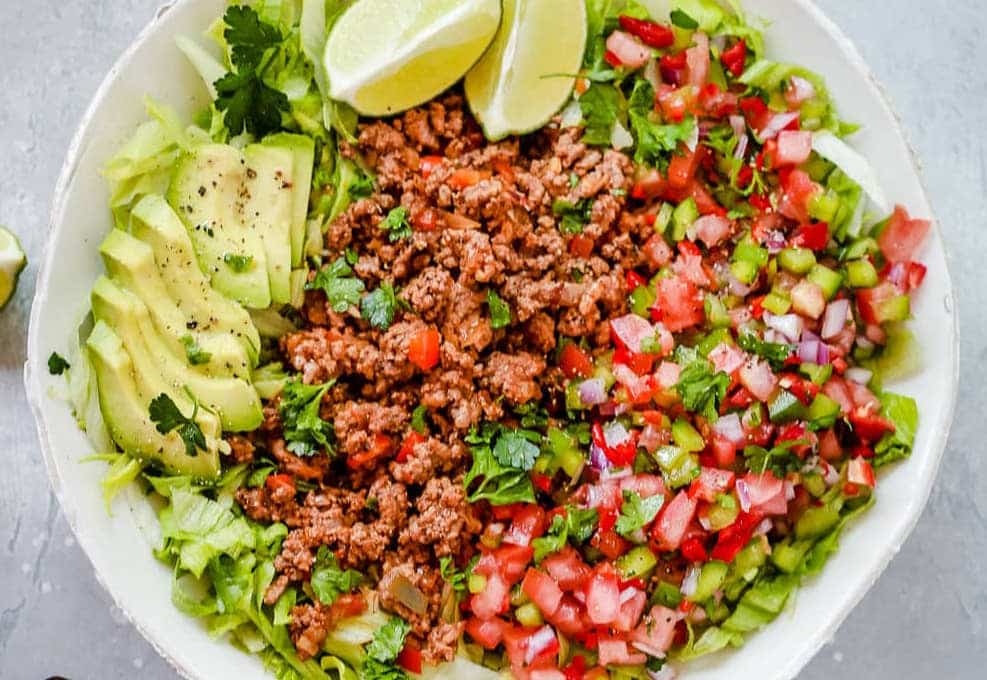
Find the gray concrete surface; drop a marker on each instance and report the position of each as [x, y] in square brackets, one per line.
[926, 618]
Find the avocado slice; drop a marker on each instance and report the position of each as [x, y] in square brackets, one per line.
[154, 222]
[303, 151]
[206, 192]
[267, 209]
[125, 393]
[130, 262]
[235, 401]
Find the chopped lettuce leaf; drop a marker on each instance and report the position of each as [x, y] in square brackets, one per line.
[903, 412]
[200, 530]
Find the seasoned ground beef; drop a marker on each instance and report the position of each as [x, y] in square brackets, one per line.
[385, 501]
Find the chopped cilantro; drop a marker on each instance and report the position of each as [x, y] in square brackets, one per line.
[196, 355]
[342, 289]
[637, 512]
[57, 364]
[775, 353]
[328, 580]
[452, 576]
[500, 481]
[574, 216]
[683, 20]
[361, 187]
[600, 105]
[238, 263]
[514, 449]
[780, 460]
[418, 416]
[352, 257]
[304, 429]
[167, 418]
[384, 648]
[379, 306]
[500, 311]
[396, 224]
[248, 102]
[654, 142]
[702, 388]
[576, 526]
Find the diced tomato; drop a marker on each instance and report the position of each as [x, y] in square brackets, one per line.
[657, 630]
[423, 349]
[794, 147]
[486, 632]
[902, 236]
[603, 596]
[863, 398]
[281, 481]
[805, 390]
[710, 483]
[425, 220]
[576, 668]
[529, 523]
[610, 543]
[682, 167]
[546, 673]
[732, 539]
[511, 561]
[766, 493]
[643, 485]
[543, 590]
[567, 568]
[581, 246]
[681, 304]
[615, 652]
[697, 60]
[734, 57]
[463, 178]
[575, 362]
[542, 482]
[427, 164]
[672, 67]
[651, 33]
[634, 281]
[410, 659]
[693, 550]
[829, 446]
[381, 448]
[860, 472]
[657, 251]
[869, 426]
[905, 276]
[837, 390]
[411, 440]
[612, 59]
[569, 618]
[756, 111]
[724, 452]
[648, 185]
[673, 520]
[798, 191]
[813, 236]
[630, 611]
[493, 599]
[870, 302]
[627, 50]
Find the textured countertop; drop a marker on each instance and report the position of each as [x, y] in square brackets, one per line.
[926, 617]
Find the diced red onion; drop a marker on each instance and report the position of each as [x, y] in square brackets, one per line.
[773, 336]
[628, 50]
[764, 527]
[592, 392]
[794, 147]
[690, 582]
[743, 142]
[631, 330]
[835, 318]
[736, 287]
[597, 458]
[776, 124]
[727, 358]
[650, 438]
[809, 351]
[743, 495]
[775, 242]
[739, 125]
[800, 90]
[728, 427]
[756, 375]
[859, 375]
[789, 325]
[539, 641]
[823, 357]
[615, 434]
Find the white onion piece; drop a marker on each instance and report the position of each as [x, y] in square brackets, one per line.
[794, 147]
[580, 596]
[859, 375]
[539, 641]
[592, 392]
[789, 325]
[652, 74]
[743, 143]
[853, 165]
[693, 140]
[690, 582]
[776, 124]
[743, 495]
[764, 527]
[572, 115]
[830, 474]
[611, 474]
[620, 138]
[835, 318]
[729, 428]
[598, 460]
[757, 376]
[789, 491]
[632, 330]
[650, 438]
[697, 60]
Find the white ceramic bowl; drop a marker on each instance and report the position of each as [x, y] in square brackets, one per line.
[119, 545]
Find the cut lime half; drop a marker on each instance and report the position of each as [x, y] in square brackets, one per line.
[526, 75]
[12, 261]
[385, 56]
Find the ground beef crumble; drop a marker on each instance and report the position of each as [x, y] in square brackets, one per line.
[393, 515]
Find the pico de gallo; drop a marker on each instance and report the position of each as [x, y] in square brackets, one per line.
[706, 461]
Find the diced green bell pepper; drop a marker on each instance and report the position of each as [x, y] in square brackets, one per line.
[573, 401]
[816, 521]
[711, 578]
[824, 206]
[476, 583]
[861, 274]
[822, 412]
[818, 374]
[638, 562]
[785, 407]
[642, 299]
[777, 303]
[563, 453]
[529, 615]
[720, 516]
[663, 218]
[713, 340]
[860, 248]
[814, 484]
[797, 260]
[683, 217]
[744, 271]
[667, 595]
[788, 557]
[716, 312]
[825, 278]
[897, 308]
[678, 467]
[686, 436]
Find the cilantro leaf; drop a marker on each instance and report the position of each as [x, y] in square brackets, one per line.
[498, 484]
[702, 388]
[600, 105]
[574, 216]
[238, 263]
[329, 581]
[637, 512]
[167, 418]
[581, 523]
[500, 311]
[577, 526]
[418, 416]
[776, 353]
[457, 579]
[248, 36]
[396, 224]
[341, 288]
[779, 460]
[57, 364]
[196, 355]
[379, 306]
[654, 142]
[362, 186]
[378, 670]
[389, 640]
[304, 429]
[683, 20]
[514, 449]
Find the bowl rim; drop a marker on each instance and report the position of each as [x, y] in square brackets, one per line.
[35, 390]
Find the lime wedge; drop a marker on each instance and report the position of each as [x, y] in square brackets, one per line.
[386, 56]
[12, 261]
[520, 82]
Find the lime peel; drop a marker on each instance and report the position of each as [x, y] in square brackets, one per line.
[12, 262]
